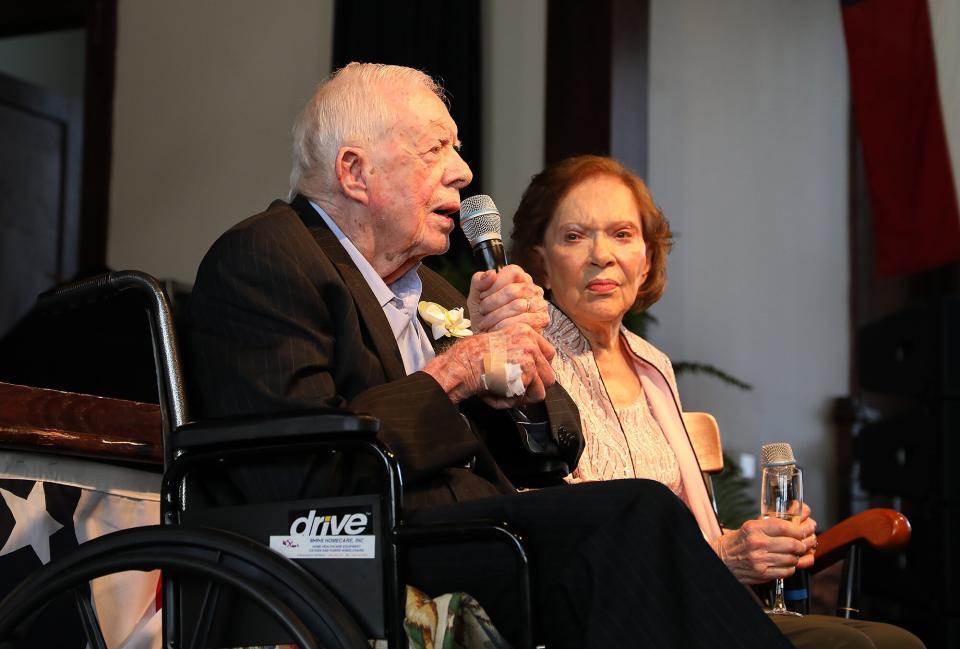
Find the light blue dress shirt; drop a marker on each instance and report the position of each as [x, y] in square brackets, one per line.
[398, 300]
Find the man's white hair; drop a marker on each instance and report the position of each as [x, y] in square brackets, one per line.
[347, 109]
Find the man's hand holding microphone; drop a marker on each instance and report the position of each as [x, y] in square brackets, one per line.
[507, 361]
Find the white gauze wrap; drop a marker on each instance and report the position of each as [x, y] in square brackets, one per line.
[501, 376]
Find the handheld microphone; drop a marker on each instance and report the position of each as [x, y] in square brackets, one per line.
[776, 454]
[781, 496]
[480, 222]
[781, 493]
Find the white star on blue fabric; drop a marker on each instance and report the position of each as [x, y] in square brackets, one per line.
[33, 525]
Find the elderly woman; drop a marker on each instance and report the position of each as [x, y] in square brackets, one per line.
[588, 232]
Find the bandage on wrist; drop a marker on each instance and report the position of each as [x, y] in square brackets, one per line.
[501, 376]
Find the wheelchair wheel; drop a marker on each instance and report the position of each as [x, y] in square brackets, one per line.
[303, 607]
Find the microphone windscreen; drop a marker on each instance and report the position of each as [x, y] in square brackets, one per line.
[479, 219]
[776, 454]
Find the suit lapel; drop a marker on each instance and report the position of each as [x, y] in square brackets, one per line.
[371, 313]
[436, 289]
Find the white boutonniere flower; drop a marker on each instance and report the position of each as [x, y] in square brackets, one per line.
[444, 322]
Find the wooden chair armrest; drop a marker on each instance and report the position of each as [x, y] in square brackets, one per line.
[884, 529]
[67, 423]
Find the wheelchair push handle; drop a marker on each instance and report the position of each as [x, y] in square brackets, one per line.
[169, 373]
[77, 294]
[95, 289]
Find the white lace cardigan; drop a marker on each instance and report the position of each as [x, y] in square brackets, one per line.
[577, 372]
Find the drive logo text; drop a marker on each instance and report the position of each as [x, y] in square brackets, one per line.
[342, 523]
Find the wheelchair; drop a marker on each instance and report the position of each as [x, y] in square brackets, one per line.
[232, 575]
[317, 572]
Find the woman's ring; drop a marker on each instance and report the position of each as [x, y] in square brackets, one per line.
[529, 304]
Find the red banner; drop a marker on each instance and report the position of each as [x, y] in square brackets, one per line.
[897, 107]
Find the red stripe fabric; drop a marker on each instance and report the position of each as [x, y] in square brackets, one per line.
[896, 105]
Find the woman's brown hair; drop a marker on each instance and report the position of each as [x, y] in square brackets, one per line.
[548, 189]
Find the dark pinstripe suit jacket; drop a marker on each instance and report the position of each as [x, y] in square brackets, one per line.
[281, 319]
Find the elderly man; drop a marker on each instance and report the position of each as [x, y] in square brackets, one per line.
[314, 303]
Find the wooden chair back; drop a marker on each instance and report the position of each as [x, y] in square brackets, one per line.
[704, 434]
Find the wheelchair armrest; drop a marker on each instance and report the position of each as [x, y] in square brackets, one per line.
[307, 431]
[883, 529]
[228, 431]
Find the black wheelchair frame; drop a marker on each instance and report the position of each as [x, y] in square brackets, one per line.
[308, 611]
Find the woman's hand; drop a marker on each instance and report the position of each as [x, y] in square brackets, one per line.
[769, 548]
[498, 299]
[809, 526]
